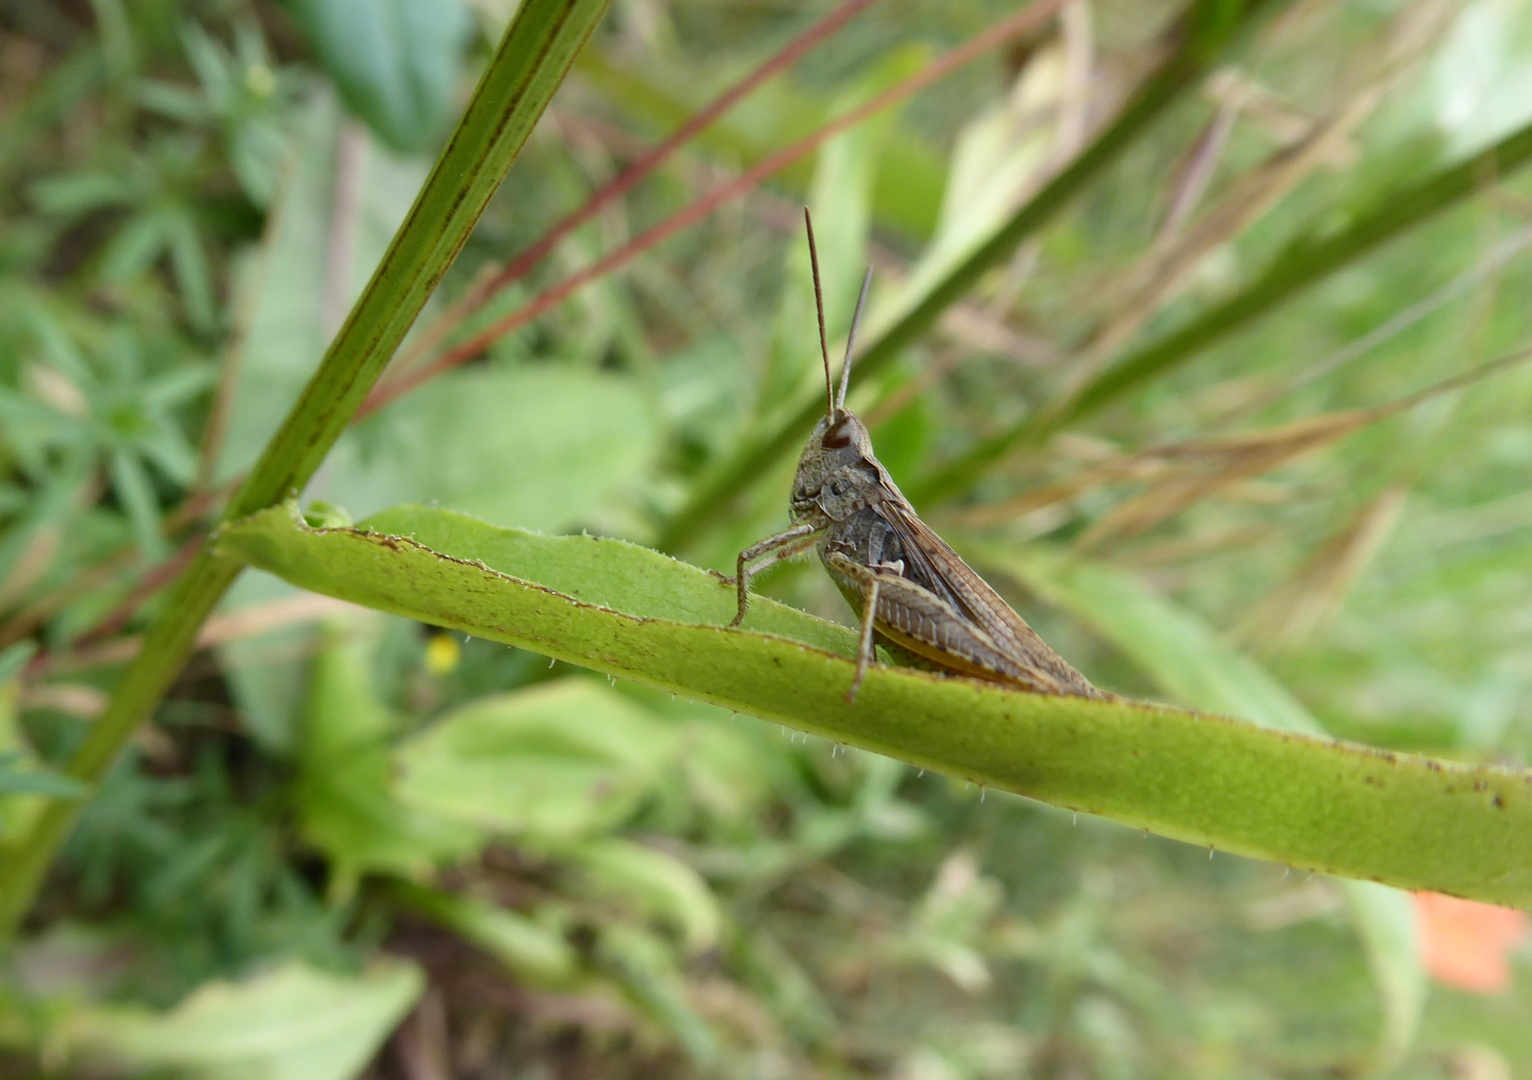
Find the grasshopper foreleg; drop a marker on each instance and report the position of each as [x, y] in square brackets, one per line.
[784, 545]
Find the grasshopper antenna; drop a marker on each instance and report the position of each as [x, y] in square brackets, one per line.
[819, 304]
[845, 370]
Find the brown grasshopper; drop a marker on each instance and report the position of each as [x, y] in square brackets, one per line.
[911, 591]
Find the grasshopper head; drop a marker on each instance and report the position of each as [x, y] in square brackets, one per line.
[837, 471]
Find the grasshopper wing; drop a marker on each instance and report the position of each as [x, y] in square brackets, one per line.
[1004, 648]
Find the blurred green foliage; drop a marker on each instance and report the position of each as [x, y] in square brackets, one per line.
[338, 820]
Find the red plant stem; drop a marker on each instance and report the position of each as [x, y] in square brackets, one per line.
[26, 622]
[640, 167]
[949, 62]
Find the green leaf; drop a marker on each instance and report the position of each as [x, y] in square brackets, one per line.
[395, 62]
[137, 244]
[542, 447]
[995, 160]
[71, 195]
[662, 884]
[533, 952]
[562, 760]
[1318, 804]
[14, 658]
[193, 274]
[292, 1023]
[16, 813]
[136, 491]
[1385, 920]
[1184, 655]
[16, 780]
[265, 672]
[345, 804]
[647, 972]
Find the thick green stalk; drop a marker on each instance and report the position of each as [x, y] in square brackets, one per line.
[515, 89]
[1208, 28]
[1301, 265]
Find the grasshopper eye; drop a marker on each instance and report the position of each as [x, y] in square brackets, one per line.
[837, 487]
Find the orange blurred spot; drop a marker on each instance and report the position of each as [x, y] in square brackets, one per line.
[1464, 943]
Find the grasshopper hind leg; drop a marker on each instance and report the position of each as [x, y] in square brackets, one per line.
[868, 579]
[864, 649]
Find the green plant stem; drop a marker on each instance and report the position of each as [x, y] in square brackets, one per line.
[1301, 265]
[1206, 31]
[516, 87]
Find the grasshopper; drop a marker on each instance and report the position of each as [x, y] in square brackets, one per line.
[912, 592]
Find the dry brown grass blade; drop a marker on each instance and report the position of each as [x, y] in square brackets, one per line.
[72, 699]
[1177, 253]
[1140, 467]
[1307, 600]
[219, 630]
[1189, 182]
[1203, 469]
[1183, 473]
[1212, 466]
[1487, 268]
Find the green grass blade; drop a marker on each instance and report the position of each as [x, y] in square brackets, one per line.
[1301, 265]
[1210, 26]
[1315, 803]
[516, 87]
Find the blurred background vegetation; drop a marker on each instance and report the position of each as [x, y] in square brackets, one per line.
[350, 845]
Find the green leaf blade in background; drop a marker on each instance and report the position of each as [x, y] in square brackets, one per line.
[345, 802]
[534, 953]
[290, 1023]
[1317, 804]
[543, 448]
[552, 762]
[395, 62]
[34, 781]
[1179, 651]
